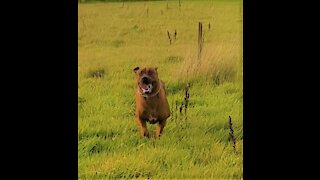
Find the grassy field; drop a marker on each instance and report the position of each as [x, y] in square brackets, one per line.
[112, 40]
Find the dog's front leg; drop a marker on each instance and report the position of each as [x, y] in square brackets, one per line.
[160, 127]
[143, 127]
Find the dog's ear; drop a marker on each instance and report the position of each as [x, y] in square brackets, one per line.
[136, 69]
[156, 69]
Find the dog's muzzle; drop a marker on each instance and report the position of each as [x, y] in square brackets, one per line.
[146, 85]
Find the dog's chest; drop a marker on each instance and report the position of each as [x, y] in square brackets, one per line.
[153, 120]
[151, 116]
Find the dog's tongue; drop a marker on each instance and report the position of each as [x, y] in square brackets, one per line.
[145, 86]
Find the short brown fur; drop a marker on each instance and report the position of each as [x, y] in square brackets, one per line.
[153, 108]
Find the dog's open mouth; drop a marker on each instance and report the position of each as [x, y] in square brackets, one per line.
[146, 88]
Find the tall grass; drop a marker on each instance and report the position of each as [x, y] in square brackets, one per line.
[214, 66]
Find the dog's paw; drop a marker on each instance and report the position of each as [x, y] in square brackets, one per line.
[146, 134]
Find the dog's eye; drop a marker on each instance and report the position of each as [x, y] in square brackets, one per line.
[150, 73]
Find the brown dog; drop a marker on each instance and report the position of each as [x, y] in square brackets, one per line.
[151, 101]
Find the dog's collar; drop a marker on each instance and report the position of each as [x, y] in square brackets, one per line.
[145, 95]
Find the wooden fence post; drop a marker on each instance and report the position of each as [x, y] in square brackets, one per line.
[200, 40]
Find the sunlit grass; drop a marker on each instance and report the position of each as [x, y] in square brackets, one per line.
[112, 41]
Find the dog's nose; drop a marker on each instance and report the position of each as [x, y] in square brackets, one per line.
[145, 80]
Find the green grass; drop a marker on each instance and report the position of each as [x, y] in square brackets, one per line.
[112, 40]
